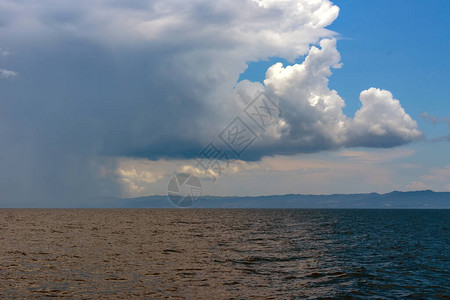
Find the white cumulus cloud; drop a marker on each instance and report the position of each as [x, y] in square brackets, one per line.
[381, 121]
[4, 74]
[312, 112]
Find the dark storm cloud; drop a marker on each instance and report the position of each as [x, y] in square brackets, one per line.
[158, 80]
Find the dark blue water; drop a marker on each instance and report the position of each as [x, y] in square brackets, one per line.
[225, 254]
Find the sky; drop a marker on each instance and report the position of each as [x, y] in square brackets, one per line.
[113, 98]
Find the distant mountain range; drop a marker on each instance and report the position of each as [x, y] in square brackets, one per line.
[417, 199]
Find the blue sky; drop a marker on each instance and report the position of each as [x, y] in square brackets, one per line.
[114, 98]
[402, 47]
[395, 45]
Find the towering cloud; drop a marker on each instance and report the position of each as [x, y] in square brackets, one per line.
[157, 79]
[312, 113]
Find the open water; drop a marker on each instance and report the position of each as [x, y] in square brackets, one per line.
[224, 254]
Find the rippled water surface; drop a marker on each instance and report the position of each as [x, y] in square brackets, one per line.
[223, 254]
